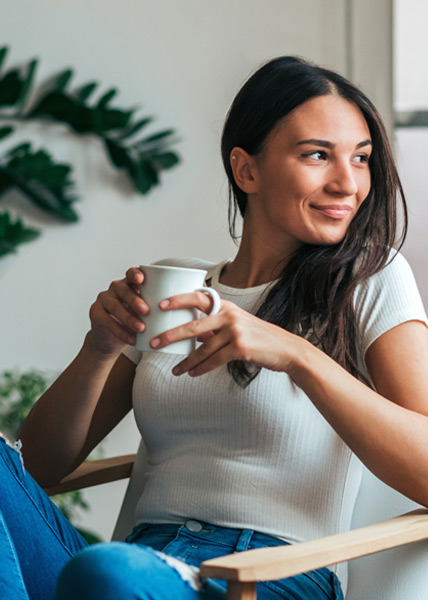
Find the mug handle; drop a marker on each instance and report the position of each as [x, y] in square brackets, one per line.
[214, 297]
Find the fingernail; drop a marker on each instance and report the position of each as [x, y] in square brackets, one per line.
[155, 342]
[164, 304]
[176, 370]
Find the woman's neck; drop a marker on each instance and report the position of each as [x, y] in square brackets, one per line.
[251, 268]
[262, 254]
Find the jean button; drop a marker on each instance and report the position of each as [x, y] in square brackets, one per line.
[193, 526]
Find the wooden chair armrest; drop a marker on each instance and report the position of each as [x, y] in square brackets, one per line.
[285, 561]
[95, 472]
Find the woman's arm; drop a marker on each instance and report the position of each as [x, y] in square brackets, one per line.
[387, 429]
[80, 408]
[93, 394]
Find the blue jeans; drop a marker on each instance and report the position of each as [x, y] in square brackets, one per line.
[37, 543]
[36, 540]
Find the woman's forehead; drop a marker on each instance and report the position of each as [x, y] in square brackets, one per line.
[323, 117]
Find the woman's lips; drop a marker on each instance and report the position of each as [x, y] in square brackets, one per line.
[334, 211]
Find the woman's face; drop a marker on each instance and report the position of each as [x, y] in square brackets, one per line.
[312, 174]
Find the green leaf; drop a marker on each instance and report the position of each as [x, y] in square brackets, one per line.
[143, 167]
[10, 88]
[54, 105]
[117, 154]
[24, 147]
[5, 131]
[144, 176]
[104, 120]
[63, 80]
[106, 98]
[86, 91]
[46, 183]
[134, 128]
[3, 53]
[156, 137]
[13, 233]
[28, 82]
[6, 182]
[83, 119]
[166, 160]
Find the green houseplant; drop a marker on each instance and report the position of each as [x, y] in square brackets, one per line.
[36, 174]
[18, 393]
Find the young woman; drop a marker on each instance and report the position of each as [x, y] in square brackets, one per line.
[315, 360]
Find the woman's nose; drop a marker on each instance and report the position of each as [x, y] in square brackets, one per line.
[342, 181]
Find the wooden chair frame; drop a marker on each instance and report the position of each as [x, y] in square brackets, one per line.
[242, 570]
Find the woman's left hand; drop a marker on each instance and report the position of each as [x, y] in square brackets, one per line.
[231, 334]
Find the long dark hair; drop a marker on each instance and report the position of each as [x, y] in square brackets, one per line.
[314, 295]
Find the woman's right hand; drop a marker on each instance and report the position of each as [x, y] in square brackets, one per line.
[115, 315]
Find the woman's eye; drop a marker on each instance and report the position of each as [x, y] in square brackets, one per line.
[316, 155]
[362, 158]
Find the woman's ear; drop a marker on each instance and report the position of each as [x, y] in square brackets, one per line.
[243, 168]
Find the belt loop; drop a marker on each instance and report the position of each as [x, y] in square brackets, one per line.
[244, 540]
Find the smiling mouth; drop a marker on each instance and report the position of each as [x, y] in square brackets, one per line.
[334, 211]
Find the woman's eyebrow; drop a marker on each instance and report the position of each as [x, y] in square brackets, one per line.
[365, 143]
[314, 142]
[327, 144]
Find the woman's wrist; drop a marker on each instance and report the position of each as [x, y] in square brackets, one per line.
[96, 353]
[303, 356]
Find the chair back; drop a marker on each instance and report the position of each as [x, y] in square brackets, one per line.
[398, 574]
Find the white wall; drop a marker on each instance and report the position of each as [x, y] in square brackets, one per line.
[411, 149]
[183, 60]
[410, 54]
[411, 93]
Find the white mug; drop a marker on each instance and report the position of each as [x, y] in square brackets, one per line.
[161, 282]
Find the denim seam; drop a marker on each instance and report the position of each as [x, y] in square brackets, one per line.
[165, 549]
[13, 549]
[24, 489]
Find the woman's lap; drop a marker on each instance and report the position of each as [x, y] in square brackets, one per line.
[139, 572]
[194, 547]
[36, 541]
[140, 568]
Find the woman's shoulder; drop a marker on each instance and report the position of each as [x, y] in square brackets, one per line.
[396, 272]
[396, 263]
[387, 299]
[396, 278]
